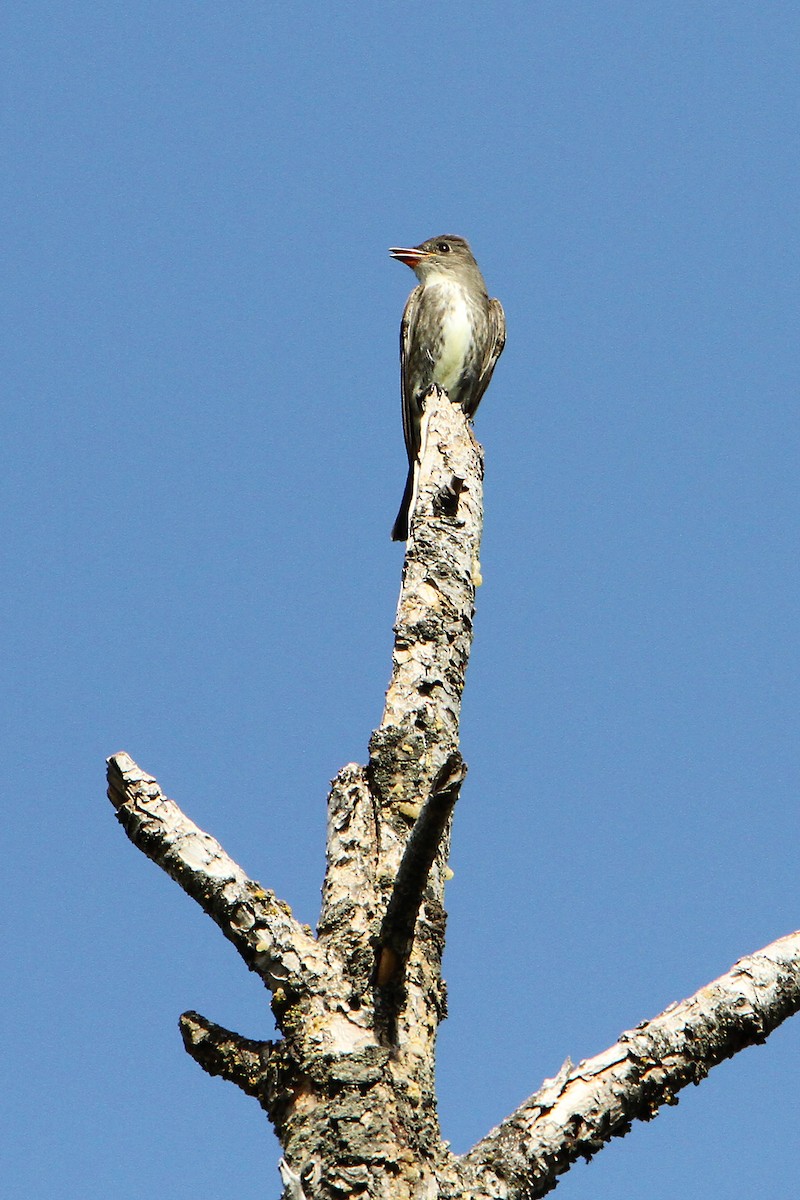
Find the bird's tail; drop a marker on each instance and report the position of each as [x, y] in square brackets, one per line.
[400, 529]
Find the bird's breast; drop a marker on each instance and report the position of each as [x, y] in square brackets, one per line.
[455, 333]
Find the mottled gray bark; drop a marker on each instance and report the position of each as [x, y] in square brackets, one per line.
[349, 1084]
[575, 1114]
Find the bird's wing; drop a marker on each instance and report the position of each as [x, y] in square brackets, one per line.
[410, 416]
[494, 348]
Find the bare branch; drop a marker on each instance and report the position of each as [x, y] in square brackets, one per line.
[419, 734]
[261, 927]
[575, 1114]
[219, 1051]
[348, 899]
[433, 628]
[397, 930]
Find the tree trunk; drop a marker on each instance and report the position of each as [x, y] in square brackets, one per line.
[350, 1086]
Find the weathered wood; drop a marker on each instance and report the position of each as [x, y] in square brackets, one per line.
[349, 1085]
[575, 1114]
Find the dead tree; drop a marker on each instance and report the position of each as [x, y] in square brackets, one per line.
[349, 1086]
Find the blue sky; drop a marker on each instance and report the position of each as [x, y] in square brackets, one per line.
[202, 459]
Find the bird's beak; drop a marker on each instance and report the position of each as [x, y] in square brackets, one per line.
[412, 256]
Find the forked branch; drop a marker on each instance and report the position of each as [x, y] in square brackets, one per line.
[350, 1086]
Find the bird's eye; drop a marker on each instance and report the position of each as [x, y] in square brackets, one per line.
[443, 247]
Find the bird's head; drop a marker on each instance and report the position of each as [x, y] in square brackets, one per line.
[441, 255]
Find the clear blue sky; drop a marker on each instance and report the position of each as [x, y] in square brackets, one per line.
[202, 459]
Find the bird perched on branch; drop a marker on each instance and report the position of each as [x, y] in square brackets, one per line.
[451, 334]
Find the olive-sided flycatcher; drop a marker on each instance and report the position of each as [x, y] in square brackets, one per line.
[451, 334]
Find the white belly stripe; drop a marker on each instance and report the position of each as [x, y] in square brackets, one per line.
[456, 336]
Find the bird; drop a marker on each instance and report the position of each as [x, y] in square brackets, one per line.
[451, 334]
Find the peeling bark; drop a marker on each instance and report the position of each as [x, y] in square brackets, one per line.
[349, 1084]
[573, 1115]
